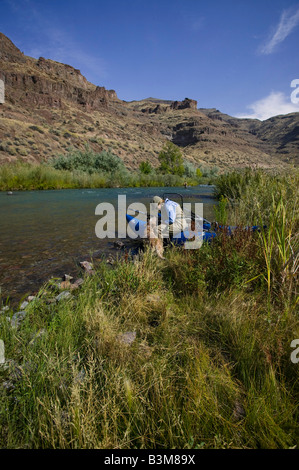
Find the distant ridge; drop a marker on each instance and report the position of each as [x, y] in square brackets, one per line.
[51, 108]
[157, 100]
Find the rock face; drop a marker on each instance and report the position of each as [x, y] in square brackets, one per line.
[156, 110]
[50, 107]
[36, 90]
[2, 89]
[186, 103]
[9, 52]
[46, 82]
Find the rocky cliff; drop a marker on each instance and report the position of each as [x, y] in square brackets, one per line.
[44, 82]
[51, 108]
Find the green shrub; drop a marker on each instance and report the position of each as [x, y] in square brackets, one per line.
[171, 160]
[209, 172]
[221, 211]
[198, 173]
[145, 168]
[189, 169]
[37, 129]
[90, 162]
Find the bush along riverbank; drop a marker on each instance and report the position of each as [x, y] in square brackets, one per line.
[191, 352]
[98, 170]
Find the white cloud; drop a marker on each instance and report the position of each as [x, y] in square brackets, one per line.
[288, 21]
[272, 105]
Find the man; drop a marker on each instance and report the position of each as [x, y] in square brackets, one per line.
[173, 221]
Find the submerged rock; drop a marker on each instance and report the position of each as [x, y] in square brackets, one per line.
[118, 245]
[86, 265]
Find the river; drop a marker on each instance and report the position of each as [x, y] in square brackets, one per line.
[46, 233]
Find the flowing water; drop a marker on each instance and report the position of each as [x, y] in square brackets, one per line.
[46, 233]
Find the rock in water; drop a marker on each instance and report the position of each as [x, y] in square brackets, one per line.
[119, 245]
[86, 265]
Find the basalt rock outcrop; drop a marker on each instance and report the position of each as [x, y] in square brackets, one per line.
[46, 82]
[187, 103]
[50, 108]
[156, 110]
[9, 52]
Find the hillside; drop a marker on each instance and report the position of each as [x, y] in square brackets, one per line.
[50, 107]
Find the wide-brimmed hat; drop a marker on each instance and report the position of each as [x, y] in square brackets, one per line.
[157, 200]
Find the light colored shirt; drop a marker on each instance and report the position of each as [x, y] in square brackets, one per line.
[170, 211]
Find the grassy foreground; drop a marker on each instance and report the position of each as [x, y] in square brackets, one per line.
[210, 364]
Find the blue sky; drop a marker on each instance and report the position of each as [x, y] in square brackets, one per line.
[237, 56]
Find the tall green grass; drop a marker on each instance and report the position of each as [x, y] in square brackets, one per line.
[25, 176]
[203, 371]
[210, 365]
[271, 202]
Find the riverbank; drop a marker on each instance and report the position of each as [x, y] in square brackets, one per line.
[191, 352]
[24, 176]
[45, 233]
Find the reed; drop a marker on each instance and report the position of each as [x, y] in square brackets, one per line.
[270, 201]
[210, 364]
[25, 176]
